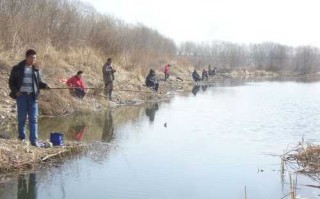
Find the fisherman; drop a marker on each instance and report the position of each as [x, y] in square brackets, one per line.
[76, 85]
[195, 76]
[166, 72]
[25, 84]
[210, 71]
[214, 71]
[204, 75]
[151, 80]
[108, 77]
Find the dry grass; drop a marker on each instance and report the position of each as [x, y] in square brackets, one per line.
[301, 159]
[309, 159]
[304, 158]
[60, 64]
[18, 156]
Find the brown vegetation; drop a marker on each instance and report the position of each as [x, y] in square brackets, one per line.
[67, 24]
[18, 156]
[304, 159]
[301, 159]
[70, 36]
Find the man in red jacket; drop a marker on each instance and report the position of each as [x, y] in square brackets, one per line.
[77, 86]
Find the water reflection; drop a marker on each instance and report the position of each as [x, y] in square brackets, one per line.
[204, 88]
[244, 129]
[27, 190]
[195, 90]
[89, 127]
[151, 111]
[108, 127]
[78, 130]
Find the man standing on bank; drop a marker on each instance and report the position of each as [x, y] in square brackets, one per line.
[108, 77]
[25, 84]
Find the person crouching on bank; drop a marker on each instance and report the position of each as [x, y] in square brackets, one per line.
[76, 85]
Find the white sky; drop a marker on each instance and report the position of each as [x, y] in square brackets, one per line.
[242, 21]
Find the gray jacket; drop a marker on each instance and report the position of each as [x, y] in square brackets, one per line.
[108, 73]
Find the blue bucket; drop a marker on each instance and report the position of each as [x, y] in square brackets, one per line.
[56, 138]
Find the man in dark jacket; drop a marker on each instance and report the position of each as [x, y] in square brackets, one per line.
[151, 80]
[210, 71]
[25, 84]
[196, 76]
[108, 77]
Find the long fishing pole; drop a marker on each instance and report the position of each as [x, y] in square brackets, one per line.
[72, 88]
[119, 90]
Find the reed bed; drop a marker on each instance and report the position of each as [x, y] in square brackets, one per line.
[16, 156]
[304, 158]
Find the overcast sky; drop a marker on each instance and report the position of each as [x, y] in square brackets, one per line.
[241, 21]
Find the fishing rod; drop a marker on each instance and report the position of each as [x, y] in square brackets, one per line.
[72, 88]
[199, 82]
[119, 90]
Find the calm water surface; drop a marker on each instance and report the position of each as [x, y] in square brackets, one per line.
[211, 143]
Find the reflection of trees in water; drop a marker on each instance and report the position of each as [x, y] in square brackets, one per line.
[74, 127]
[27, 191]
[94, 122]
[232, 82]
[108, 128]
[151, 111]
[204, 86]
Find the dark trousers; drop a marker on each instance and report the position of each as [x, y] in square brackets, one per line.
[166, 76]
[108, 86]
[27, 105]
[154, 86]
[204, 77]
[77, 92]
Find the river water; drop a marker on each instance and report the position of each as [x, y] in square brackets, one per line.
[210, 143]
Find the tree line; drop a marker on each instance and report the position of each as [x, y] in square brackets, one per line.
[71, 23]
[264, 56]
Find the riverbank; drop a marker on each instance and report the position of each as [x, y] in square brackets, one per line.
[57, 66]
[18, 156]
[54, 103]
